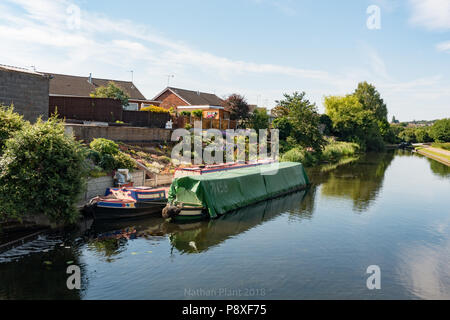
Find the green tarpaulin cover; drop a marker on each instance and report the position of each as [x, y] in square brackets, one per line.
[229, 190]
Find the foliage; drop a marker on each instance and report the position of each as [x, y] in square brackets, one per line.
[41, 172]
[188, 126]
[237, 106]
[259, 120]
[336, 150]
[423, 135]
[408, 135]
[197, 113]
[299, 154]
[440, 131]
[284, 127]
[327, 123]
[445, 146]
[353, 122]
[106, 154]
[111, 91]
[155, 109]
[10, 123]
[303, 118]
[185, 113]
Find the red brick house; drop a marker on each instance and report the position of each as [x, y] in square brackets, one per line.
[174, 97]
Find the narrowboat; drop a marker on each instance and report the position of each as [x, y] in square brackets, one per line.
[211, 195]
[127, 202]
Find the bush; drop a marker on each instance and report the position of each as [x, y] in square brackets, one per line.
[10, 123]
[197, 113]
[106, 154]
[299, 154]
[336, 150]
[41, 172]
[155, 109]
[185, 113]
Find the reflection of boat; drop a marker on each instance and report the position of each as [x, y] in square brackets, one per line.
[123, 203]
[207, 234]
[214, 194]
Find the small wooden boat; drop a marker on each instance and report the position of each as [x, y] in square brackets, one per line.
[126, 203]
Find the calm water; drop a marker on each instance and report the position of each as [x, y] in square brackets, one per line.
[390, 210]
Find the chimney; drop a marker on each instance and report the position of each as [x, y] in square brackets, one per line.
[90, 78]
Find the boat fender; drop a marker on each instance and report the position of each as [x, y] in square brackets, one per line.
[170, 211]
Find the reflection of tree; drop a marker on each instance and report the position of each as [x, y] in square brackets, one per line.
[360, 181]
[439, 169]
[203, 236]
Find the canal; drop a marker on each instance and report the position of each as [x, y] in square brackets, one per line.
[391, 210]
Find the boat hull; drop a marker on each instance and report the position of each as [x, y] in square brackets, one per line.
[139, 210]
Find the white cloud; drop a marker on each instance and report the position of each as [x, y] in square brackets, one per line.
[443, 46]
[431, 14]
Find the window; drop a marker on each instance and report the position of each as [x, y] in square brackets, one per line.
[132, 106]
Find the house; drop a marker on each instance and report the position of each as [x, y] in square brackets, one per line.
[82, 87]
[27, 90]
[190, 100]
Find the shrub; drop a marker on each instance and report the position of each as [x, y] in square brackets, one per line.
[155, 109]
[10, 122]
[336, 150]
[185, 113]
[197, 113]
[188, 126]
[299, 154]
[41, 172]
[106, 154]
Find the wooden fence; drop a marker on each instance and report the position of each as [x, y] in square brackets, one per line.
[104, 110]
[221, 124]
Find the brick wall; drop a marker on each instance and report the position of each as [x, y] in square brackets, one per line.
[169, 100]
[123, 134]
[27, 91]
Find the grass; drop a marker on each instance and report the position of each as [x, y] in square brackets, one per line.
[425, 150]
[332, 153]
[445, 145]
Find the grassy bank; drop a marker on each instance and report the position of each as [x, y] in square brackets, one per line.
[333, 152]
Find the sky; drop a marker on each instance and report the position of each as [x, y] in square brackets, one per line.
[258, 48]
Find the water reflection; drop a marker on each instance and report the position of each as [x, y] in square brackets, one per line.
[360, 181]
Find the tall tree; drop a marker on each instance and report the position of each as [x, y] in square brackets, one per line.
[237, 106]
[370, 99]
[304, 119]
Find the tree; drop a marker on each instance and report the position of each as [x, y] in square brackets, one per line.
[259, 120]
[440, 131]
[41, 172]
[111, 91]
[304, 119]
[327, 123]
[10, 123]
[422, 135]
[237, 106]
[352, 122]
[408, 135]
[371, 100]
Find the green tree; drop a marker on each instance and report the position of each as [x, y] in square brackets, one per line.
[440, 131]
[408, 135]
[422, 135]
[112, 91]
[371, 100]
[10, 123]
[304, 119]
[41, 172]
[259, 120]
[237, 106]
[352, 122]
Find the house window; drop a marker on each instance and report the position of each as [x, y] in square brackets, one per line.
[211, 115]
[132, 106]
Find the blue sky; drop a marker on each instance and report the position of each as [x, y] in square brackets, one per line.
[259, 48]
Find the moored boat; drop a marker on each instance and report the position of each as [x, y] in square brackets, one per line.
[211, 195]
[126, 203]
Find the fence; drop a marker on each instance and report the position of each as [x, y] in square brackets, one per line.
[104, 110]
[145, 119]
[89, 109]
